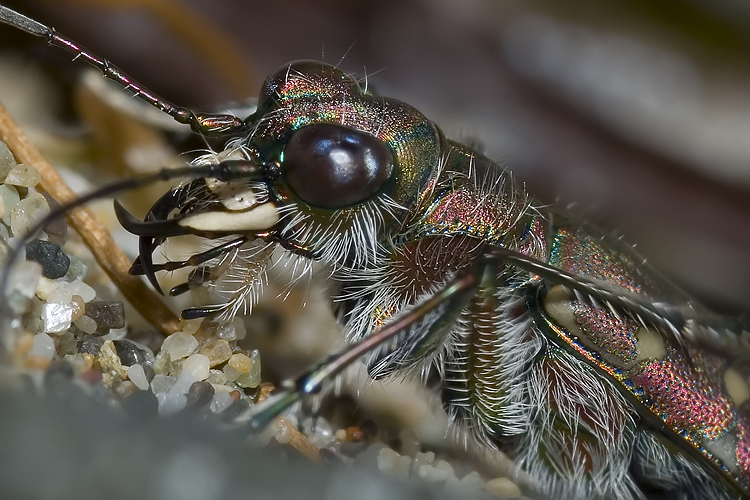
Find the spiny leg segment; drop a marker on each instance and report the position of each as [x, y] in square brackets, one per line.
[420, 321]
[193, 260]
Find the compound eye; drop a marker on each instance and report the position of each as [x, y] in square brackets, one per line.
[332, 166]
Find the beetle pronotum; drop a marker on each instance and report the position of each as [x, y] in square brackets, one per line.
[553, 341]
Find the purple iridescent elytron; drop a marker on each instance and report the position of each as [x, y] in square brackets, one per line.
[684, 387]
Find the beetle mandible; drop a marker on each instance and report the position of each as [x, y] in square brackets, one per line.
[554, 341]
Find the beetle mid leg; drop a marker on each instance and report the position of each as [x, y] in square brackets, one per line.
[480, 358]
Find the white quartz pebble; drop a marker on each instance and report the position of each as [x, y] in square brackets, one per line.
[421, 459]
[162, 383]
[239, 328]
[445, 466]
[25, 277]
[138, 376]
[61, 295]
[281, 432]
[391, 463]
[27, 213]
[184, 381]
[7, 162]
[23, 175]
[216, 377]
[319, 431]
[190, 326]
[227, 332]
[179, 345]
[473, 481]
[10, 199]
[170, 403]
[116, 333]
[430, 474]
[57, 317]
[43, 347]
[45, 286]
[220, 402]
[251, 378]
[81, 289]
[85, 324]
[198, 364]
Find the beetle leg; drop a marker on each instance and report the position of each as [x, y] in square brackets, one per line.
[194, 260]
[412, 326]
[197, 277]
[151, 228]
[201, 312]
[724, 336]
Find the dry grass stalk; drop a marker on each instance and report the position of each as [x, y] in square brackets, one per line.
[96, 237]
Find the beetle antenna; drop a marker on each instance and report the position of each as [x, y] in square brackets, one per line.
[203, 123]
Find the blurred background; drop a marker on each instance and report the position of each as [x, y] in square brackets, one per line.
[636, 113]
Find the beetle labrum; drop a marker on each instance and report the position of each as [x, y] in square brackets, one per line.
[554, 341]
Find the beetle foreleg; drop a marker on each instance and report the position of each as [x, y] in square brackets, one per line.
[193, 260]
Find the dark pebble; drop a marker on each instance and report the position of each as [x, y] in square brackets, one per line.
[52, 258]
[199, 395]
[106, 313]
[141, 404]
[147, 337]
[89, 344]
[129, 353]
[253, 393]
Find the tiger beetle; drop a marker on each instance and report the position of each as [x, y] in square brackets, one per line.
[553, 340]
